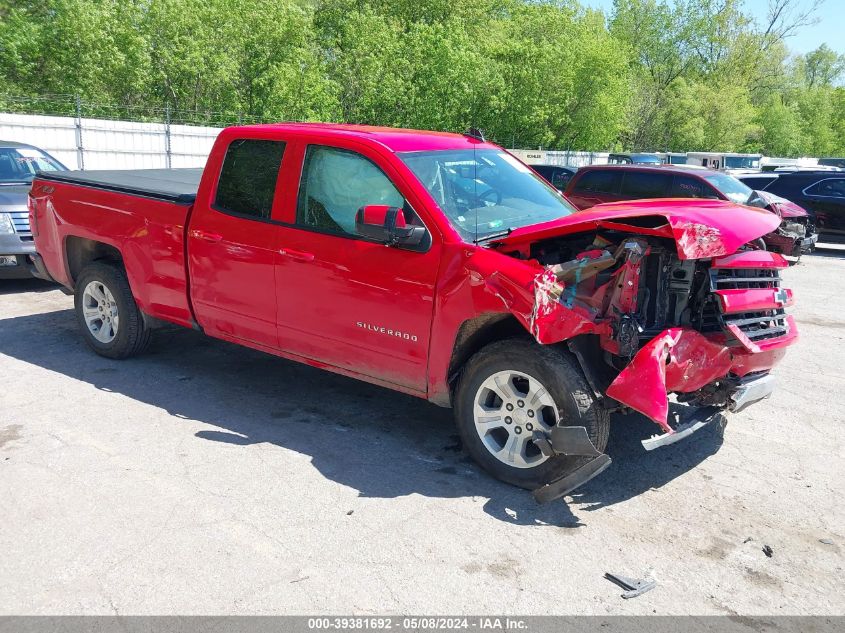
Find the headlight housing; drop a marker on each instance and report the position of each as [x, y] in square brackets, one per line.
[6, 226]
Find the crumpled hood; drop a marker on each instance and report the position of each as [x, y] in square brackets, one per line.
[700, 228]
[783, 207]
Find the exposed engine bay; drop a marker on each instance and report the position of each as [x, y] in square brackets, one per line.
[648, 323]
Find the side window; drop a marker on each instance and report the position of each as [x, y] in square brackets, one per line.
[248, 178]
[686, 187]
[829, 187]
[599, 181]
[561, 179]
[335, 184]
[646, 184]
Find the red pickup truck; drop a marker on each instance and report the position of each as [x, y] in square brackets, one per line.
[437, 265]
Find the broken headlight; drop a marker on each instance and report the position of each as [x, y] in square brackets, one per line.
[792, 228]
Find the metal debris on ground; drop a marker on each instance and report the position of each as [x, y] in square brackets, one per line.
[825, 541]
[633, 586]
[768, 551]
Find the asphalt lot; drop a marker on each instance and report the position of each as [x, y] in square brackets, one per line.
[204, 478]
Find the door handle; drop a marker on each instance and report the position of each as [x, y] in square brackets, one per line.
[299, 256]
[207, 237]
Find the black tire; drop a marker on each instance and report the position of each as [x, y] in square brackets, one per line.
[560, 374]
[131, 337]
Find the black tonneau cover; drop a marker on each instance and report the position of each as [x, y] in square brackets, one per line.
[174, 185]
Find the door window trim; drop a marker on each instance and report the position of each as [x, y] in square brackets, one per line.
[819, 195]
[247, 216]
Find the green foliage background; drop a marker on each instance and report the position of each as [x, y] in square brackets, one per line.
[689, 75]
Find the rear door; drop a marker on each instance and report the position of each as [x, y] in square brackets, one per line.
[595, 186]
[344, 300]
[233, 243]
[637, 185]
[826, 199]
[692, 187]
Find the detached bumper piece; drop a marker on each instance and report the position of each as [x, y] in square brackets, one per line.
[688, 423]
[570, 441]
[633, 586]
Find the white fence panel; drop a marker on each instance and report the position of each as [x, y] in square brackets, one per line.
[190, 145]
[560, 157]
[107, 144]
[55, 134]
[123, 144]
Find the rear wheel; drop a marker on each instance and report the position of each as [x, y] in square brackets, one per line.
[110, 320]
[509, 390]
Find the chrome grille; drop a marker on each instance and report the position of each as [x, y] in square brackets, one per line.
[757, 325]
[21, 221]
[733, 278]
[760, 325]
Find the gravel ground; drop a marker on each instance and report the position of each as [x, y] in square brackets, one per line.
[205, 478]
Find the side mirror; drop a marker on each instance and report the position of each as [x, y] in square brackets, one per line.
[386, 224]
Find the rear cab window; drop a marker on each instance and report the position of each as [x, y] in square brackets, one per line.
[247, 182]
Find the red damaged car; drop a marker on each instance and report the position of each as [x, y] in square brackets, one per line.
[438, 265]
[598, 184]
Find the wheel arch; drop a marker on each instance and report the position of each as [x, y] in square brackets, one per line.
[476, 333]
[80, 252]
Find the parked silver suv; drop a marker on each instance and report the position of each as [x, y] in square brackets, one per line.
[18, 164]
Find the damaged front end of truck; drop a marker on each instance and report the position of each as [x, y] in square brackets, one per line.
[658, 300]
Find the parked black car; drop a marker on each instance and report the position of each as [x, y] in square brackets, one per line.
[822, 193]
[558, 176]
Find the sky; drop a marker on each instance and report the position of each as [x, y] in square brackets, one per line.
[827, 31]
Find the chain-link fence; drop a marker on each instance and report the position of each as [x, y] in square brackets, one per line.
[76, 106]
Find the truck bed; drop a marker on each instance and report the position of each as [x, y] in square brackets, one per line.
[142, 214]
[172, 185]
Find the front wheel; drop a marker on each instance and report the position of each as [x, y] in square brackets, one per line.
[512, 388]
[108, 316]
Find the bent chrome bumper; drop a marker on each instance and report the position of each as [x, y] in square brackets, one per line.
[751, 391]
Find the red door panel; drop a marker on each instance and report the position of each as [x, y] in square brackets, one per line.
[355, 304]
[232, 271]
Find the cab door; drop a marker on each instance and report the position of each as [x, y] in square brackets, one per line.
[342, 299]
[233, 244]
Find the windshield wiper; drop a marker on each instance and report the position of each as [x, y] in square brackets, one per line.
[492, 236]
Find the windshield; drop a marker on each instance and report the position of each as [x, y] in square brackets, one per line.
[645, 159]
[485, 192]
[741, 162]
[19, 164]
[731, 187]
